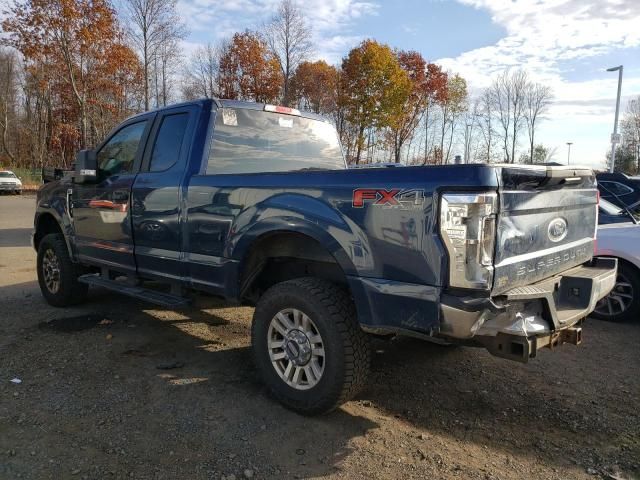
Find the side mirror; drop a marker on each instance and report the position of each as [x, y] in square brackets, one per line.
[86, 170]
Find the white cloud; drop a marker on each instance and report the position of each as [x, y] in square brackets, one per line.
[330, 21]
[217, 16]
[546, 37]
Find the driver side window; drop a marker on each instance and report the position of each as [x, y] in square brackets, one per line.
[116, 157]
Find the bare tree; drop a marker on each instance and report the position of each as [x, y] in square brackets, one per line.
[202, 72]
[630, 127]
[167, 63]
[537, 99]
[154, 24]
[508, 94]
[485, 123]
[289, 39]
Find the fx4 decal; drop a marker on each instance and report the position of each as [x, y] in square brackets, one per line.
[408, 199]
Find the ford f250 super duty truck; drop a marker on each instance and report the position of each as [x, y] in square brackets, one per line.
[254, 203]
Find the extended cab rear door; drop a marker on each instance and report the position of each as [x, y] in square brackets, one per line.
[158, 193]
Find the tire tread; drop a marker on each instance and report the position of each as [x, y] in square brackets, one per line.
[341, 309]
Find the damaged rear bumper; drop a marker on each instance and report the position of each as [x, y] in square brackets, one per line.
[516, 324]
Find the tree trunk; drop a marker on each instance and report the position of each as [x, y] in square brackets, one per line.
[359, 144]
[426, 134]
[145, 61]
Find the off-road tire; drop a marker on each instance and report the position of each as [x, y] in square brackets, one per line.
[70, 291]
[346, 345]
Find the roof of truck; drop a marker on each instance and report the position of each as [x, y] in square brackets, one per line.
[226, 103]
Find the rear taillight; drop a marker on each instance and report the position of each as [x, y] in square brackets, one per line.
[468, 229]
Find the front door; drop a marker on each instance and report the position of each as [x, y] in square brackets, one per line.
[101, 212]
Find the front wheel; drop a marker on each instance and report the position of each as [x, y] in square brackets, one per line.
[57, 274]
[623, 302]
[308, 346]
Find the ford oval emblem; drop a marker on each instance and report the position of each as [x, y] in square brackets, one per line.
[557, 229]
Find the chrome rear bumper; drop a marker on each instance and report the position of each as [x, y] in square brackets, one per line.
[523, 319]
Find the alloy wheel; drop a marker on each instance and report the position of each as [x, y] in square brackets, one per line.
[296, 349]
[51, 271]
[619, 299]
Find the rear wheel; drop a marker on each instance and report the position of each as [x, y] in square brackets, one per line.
[307, 344]
[57, 274]
[623, 302]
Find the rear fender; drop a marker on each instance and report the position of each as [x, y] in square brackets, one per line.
[305, 215]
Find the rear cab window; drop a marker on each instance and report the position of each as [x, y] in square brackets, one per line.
[255, 141]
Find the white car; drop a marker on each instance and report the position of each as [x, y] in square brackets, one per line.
[9, 182]
[619, 237]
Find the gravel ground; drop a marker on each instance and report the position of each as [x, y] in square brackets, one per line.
[117, 388]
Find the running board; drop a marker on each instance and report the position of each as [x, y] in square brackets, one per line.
[152, 296]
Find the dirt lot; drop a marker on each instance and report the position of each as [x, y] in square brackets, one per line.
[94, 404]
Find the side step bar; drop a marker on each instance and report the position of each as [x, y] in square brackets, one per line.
[152, 296]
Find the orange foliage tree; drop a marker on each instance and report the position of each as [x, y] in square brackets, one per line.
[77, 61]
[435, 87]
[374, 90]
[248, 71]
[314, 86]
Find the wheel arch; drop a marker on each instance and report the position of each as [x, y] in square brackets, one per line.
[45, 224]
[282, 254]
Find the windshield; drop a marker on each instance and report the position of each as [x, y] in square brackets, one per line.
[7, 175]
[254, 141]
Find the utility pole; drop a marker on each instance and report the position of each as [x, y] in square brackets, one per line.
[569, 153]
[614, 138]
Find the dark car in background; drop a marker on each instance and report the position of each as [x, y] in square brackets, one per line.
[619, 188]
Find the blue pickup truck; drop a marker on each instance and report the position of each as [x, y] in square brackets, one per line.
[254, 203]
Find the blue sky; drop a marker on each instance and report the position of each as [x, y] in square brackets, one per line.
[567, 44]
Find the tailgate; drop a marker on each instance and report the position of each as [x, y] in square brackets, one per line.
[546, 225]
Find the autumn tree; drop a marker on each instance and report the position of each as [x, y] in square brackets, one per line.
[78, 70]
[313, 86]
[436, 94]
[375, 88]
[155, 27]
[403, 125]
[288, 37]
[248, 70]
[8, 101]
